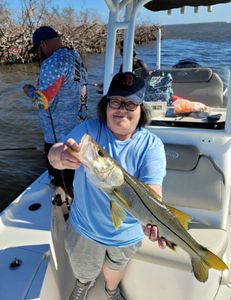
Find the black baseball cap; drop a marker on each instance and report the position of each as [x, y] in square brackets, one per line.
[127, 84]
[42, 33]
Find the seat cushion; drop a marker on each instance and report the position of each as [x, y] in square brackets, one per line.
[215, 240]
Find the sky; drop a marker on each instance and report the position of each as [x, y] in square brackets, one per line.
[220, 12]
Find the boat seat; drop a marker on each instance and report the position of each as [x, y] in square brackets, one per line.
[194, 183]
[167, 273]
[214, 239]
[196, 84]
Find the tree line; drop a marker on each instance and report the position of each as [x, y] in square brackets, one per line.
[84, 31]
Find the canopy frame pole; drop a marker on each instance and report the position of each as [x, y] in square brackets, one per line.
[132, 8]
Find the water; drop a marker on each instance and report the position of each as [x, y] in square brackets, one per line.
[21, 149]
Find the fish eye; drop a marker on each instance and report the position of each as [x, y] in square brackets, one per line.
[100, 153]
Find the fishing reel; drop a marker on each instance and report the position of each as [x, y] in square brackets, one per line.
[62, 200]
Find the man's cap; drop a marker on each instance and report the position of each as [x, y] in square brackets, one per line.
[127, 85]
[42, 33]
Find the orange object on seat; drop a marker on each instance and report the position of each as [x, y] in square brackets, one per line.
[184, 106]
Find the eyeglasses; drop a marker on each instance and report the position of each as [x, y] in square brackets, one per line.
[128, 105]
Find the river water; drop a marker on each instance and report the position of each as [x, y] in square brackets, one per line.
[21, 149]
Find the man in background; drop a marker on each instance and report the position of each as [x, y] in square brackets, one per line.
[60, 95]
[138, 65]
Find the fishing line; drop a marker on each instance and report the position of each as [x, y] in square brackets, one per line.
[55, 138]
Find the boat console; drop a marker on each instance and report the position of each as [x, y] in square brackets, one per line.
[197, 84]
[214, 120]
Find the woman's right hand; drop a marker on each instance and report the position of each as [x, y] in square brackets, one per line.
[62, 155]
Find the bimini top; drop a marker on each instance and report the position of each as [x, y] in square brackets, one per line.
[157, 5]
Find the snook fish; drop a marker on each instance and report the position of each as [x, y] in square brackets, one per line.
[129, 194]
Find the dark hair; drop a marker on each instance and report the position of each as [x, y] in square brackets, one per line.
[121, 46]
[145, 115]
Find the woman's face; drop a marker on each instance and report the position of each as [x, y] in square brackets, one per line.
[122, 121]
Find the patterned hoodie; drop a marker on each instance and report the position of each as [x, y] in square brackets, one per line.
[58, 95]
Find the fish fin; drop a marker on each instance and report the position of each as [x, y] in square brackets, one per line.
[213, 261]
[121, 198]
[200, 269]
[181, 216]
[209, 260]
[118, 214]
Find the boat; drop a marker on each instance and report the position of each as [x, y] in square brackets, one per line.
[34, 264]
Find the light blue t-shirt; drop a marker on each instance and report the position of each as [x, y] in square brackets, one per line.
[142, 156]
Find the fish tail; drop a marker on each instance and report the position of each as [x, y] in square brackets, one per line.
[201, 266]
[214, 262]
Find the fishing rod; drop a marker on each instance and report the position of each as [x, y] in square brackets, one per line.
[19, 149]
[98, 85]
[94, 84]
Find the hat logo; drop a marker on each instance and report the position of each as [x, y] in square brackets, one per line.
[128, 80]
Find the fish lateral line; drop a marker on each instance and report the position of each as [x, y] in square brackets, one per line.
[131, 181]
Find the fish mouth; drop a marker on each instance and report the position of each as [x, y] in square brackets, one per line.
[98, 164]
[88, 152]
[91, 156]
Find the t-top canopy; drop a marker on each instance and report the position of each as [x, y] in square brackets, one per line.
[157, 5]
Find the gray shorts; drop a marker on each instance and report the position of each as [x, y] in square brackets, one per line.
[87, 257]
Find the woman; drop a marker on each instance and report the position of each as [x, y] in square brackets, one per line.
[91, 240]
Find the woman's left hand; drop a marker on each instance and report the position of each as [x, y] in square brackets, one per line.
[152, 232]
